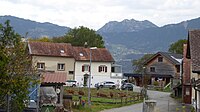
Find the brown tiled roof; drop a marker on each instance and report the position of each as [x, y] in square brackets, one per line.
[66, 50]
[193, 50]
[50, 49]
[54, 77]
[99, 54]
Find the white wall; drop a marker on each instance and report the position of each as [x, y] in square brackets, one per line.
[196, 76]
[96, 75]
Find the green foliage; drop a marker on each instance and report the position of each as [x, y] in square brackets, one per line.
[78, 37]
[16, 72]
[155, 83]
[177, 47]
[138, 64]
[42, 39]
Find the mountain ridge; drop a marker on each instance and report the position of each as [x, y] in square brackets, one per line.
[126, 25]
[34, 29]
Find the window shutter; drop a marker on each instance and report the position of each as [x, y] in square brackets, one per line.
[105, 68]
[99, 69]
[82, 68]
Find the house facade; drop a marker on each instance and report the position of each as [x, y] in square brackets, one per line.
[53, 57]
[102, 66]
[75, 62]
[164, 68]
[193, 48]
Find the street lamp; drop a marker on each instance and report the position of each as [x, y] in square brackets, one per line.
[89, 100]
[143, 75]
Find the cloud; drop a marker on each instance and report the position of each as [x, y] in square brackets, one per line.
[95, 13]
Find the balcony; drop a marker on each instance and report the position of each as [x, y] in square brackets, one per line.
[116, 71]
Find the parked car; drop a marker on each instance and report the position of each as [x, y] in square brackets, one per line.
[71, 83]
[106, 84]
[128, 86]
[31, 106]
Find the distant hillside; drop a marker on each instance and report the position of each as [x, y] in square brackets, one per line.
[34, 29]
[124, 45]
[126, 26]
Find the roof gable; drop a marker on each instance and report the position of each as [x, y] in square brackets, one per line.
[171, 57]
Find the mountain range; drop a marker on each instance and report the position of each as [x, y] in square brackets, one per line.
[126, 40]
[33, 28]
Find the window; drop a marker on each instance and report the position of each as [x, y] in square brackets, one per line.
[152, 69]
[61, 66]
[160, 59]
[116, 69]
[187, 91]
[85, 68]
[40, 66]
[178, 68]
[113, 69]
[71, 72]
[102, 68]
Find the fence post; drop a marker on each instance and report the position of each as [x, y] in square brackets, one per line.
[121, 100]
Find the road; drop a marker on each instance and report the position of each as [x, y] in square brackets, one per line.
[164, 103]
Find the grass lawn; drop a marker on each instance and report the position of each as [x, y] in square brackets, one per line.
[96, 107]
[100, 103]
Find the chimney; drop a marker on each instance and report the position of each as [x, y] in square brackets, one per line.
[85, 44]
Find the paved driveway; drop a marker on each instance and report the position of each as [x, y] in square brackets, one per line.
[164, 103]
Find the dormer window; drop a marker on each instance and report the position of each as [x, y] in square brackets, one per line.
[62, 51]
[160, 59]
[81, 54]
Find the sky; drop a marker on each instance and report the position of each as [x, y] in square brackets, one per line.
[96, 13]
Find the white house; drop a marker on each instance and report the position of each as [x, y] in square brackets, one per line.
[102, 66]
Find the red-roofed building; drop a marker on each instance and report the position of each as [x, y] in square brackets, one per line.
[102, 66]
[53, 57]
[74, 62]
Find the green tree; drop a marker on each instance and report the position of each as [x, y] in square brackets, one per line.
[78, 37]
[177, 47]
[139, 63]
[16, 71]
